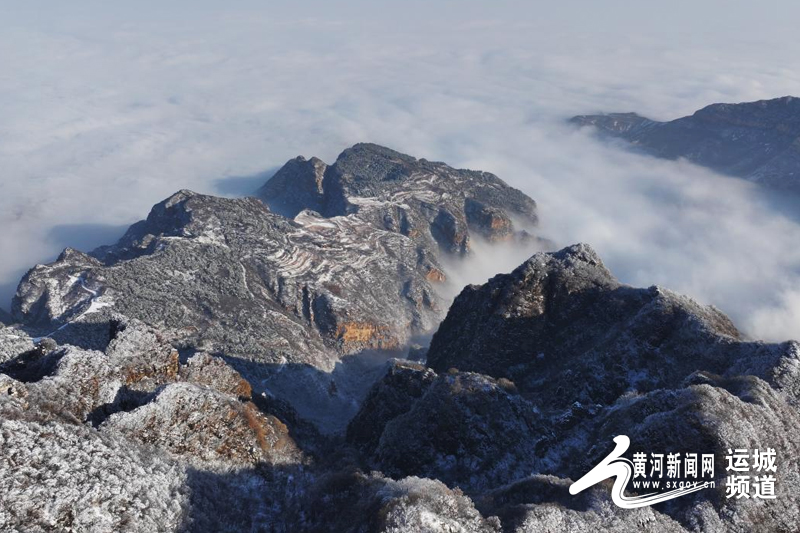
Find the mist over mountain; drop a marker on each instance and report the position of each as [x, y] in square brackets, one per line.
[758, 141]
[241, 369]
[114, 108]
[447, 315]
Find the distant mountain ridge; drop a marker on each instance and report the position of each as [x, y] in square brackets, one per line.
[758, 141]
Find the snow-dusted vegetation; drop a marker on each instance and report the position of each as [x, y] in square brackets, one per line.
[245, 372]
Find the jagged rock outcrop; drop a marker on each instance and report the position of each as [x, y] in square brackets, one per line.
[600, 359]
[213, 372]
[295, 187]
[438, 206]
[759, 141]
[201, 423]
[137, 388]
[706, 412]
[562, 327]
[393, 395]
[131, 439]
[80, 385]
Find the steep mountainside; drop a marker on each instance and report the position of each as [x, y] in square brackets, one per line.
[562, 325]
[759, 141]
[287, 299]
[229, 276]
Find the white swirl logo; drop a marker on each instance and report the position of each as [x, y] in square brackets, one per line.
[620, 468]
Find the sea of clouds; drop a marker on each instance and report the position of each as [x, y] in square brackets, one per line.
[107, 109]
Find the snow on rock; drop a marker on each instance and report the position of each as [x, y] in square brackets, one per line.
[465, 429]
[199, 423]
[213, 372]
[232, 276]
[55, 477]
[543, 503]
[13, 342]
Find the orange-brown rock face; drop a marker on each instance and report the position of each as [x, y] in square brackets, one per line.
[491, 223]
[353, 335]
[436, 275]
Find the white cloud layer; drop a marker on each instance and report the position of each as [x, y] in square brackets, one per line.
[105, 110]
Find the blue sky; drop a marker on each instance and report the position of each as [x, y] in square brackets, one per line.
[105, 109]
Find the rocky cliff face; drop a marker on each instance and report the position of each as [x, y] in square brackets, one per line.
[563, 326]
[465, 429]
[759, 141]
